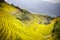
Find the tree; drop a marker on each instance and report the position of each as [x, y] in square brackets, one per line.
[2, 0]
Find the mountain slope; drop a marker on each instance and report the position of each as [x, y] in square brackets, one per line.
[19, 24]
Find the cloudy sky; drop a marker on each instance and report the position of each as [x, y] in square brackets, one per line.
[45, 7]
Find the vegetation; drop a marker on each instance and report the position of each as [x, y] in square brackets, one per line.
[56, 30]
[19, 24]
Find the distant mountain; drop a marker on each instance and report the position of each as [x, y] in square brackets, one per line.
[46, 8]
[42, 7]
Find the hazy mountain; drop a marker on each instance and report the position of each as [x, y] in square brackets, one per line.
[41, 7]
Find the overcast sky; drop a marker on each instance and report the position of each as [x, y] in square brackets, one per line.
[45, 7]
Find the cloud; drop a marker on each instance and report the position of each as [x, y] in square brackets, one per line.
[53, 1]
[5, 0]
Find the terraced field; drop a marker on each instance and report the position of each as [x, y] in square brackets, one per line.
[19, 24]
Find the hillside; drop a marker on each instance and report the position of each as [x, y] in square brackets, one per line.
[20, 24]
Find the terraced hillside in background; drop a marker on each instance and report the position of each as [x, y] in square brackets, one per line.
[20, 24]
